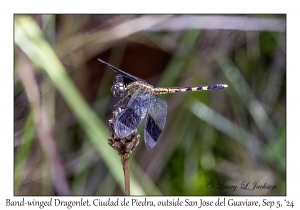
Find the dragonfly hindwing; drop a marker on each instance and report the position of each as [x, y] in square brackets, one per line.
[155, 122]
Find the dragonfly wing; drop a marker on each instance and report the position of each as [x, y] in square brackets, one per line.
[119, 71]
[156, 121]
[134, 113]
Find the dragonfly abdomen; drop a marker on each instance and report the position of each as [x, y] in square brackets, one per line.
[161, 91]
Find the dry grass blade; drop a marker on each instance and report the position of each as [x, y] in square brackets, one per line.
[68, 50]
[43, 128]
[219, 22]
[247, 96]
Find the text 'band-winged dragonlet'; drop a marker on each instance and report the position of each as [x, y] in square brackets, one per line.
[138, 98]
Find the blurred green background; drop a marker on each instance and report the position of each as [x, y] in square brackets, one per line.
[212, 141]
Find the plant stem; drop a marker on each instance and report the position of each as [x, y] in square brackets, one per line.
[125, 163]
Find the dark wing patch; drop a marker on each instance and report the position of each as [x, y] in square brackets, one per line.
[156, 121]
[152, 128]
[134, 113]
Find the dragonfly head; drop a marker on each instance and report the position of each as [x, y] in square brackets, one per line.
[118, 89]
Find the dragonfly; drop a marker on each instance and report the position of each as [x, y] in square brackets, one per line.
[138, 99]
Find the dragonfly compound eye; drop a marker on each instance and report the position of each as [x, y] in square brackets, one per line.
[118, 89]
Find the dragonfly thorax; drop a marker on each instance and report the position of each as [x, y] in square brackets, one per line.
[118, 89]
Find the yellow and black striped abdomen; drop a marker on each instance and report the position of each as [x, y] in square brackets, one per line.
[161, 91]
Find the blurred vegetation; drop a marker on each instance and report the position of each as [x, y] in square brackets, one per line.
[212, 139]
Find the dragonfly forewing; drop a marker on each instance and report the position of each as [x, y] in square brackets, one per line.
[134, 113]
